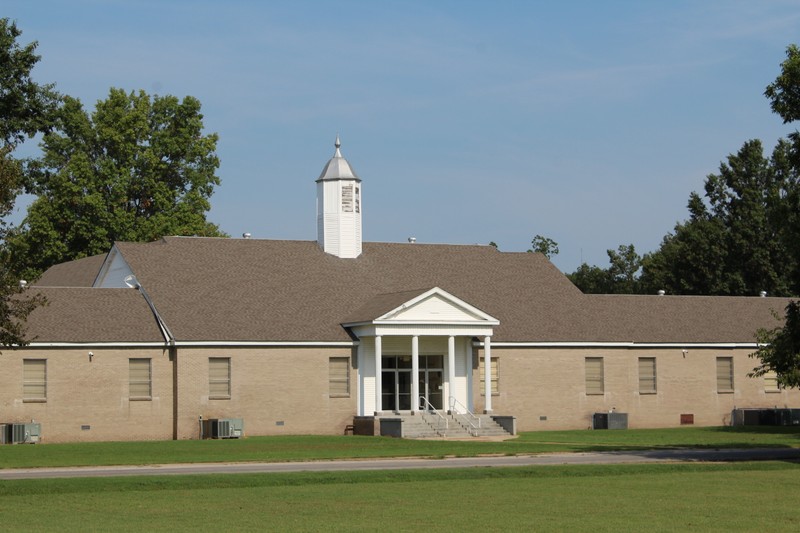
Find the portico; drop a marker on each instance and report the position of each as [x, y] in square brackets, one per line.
[415, 352]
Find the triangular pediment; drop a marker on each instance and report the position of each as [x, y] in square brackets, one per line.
[436, 306]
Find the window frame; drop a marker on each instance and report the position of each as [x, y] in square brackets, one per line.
[335, 379]
[494, 370]
[650, 375]
[28, 383]
[725, 382]
[594, 386]
[771, 384]
[216, 381]
[135, 381]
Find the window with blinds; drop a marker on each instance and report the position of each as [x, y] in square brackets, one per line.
[219, 378]
[771, 382]
[34, 380]
[594, 375]
[724, 374]
[494, 375]
[339, 377]
[139, 379]
[647, 375]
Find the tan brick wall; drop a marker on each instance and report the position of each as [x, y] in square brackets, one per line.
[92, 393]
[276, 390]
[550, 382]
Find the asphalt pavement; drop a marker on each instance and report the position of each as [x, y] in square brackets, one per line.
[599, 458]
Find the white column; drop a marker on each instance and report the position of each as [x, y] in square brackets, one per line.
[378, 373]
[487, 374]
[451, 369]
[414, 373]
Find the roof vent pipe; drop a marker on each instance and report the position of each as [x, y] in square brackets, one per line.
[246, 235]
[661, 292]
[763, 294]
[412, 240]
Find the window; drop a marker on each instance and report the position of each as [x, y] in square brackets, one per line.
[647, 375]
[724, 374]
[339, 376]
[594, 375]
[139, 379]
[358, 200]
[347, 198]
[219, 378]
[771, 382]
[494, 375]
[34, 380]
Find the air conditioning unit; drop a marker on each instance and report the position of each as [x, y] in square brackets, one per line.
[3, 433]
[612, 420]
[223, 428]
[24, 433]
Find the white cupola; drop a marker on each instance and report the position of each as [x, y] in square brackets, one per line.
[339, 208]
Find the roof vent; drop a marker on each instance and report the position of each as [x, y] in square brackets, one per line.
[23, 284]
[763, 294]
[412, 240]
[661, 292]
[246, 235]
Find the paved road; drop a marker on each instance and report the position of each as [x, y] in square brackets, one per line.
[650, 456]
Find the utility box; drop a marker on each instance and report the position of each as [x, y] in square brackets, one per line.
[766, 417]
[611, 420]
[24, 433]
[223, 428]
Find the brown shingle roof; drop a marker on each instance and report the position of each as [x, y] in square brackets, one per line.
[247, 289]
[209, 289]
[92, 315]
[78, 273]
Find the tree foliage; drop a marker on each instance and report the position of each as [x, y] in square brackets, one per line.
[25, 110]
[621, 276]
[544, 245]
[136, 169]
[779, 349]
[736, 241]
[743, 234]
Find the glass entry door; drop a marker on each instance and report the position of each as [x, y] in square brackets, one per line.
[396, 382]
[431, 380]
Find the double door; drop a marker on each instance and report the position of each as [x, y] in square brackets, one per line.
[396, 382]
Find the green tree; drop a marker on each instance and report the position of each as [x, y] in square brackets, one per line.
[621, 277]
[779, 349]
[591, 279]
[25, 110]
[735, 241]
[136, 169]
[544, 245]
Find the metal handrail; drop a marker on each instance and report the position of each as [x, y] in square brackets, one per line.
[425, 405]
[453, 404]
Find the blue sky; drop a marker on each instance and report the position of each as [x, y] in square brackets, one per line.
[468, 122]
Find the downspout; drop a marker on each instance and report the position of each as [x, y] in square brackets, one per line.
[172, 348]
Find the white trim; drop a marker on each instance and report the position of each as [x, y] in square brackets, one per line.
[189, 344]
[568, 344]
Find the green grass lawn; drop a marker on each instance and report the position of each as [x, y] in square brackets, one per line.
[674, 497]
[663, 497]
[304, 448]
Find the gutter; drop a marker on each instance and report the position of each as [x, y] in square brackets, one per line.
[169, 338]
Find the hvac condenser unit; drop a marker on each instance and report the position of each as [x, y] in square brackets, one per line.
[224, 428]
[611, 420]
[24, 433]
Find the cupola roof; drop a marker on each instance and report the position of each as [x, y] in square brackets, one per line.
[338, 168]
